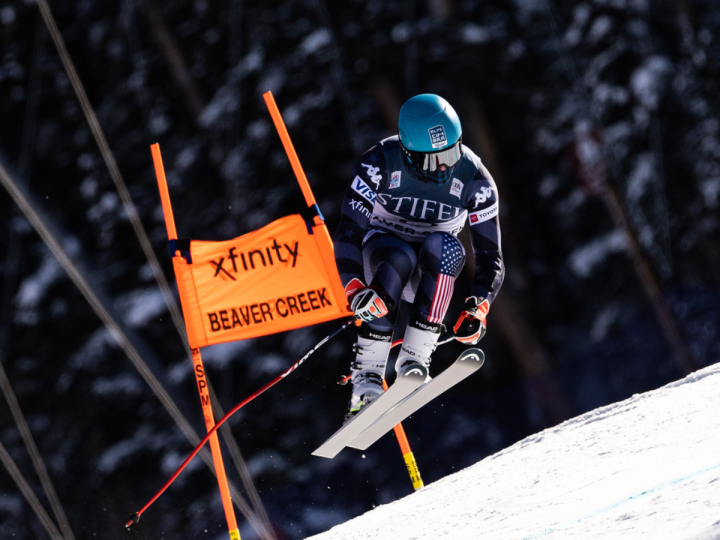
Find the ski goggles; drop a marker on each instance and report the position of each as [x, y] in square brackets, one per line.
[431, 161]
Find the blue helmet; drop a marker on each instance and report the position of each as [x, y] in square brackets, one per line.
[430, 134]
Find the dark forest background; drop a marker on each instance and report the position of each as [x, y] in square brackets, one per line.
[599, 120]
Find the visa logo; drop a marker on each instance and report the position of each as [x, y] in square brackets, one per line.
[363, 189]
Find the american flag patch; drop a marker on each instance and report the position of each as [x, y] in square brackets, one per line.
[441, 299]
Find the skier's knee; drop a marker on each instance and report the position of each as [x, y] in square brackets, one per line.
[439, 241]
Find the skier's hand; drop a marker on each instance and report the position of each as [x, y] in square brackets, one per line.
[470, 326]
[366, 302]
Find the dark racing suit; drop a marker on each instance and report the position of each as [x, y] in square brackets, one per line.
[398, 232]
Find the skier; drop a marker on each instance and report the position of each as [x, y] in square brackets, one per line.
[409, 197]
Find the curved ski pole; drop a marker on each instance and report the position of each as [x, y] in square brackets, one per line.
[134, 518]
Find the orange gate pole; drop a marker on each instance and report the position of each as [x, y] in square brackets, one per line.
[325, 245]
[289, 148]
[290, 151]
[408, 456]
[199, 369]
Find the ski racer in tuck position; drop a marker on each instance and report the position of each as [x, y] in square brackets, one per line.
[409, 197]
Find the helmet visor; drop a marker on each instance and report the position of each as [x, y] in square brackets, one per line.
[431, 161]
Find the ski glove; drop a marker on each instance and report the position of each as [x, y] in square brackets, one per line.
[366, 302]
[470, 326]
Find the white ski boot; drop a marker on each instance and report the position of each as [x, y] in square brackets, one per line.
[417, 348]
[368, 373]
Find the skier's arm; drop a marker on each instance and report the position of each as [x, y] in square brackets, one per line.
[482, 204]
[483, 214]
[367, 176]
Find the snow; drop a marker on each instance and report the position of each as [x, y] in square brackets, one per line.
[94, 350]
[273, 80]
[607, 94]
[401, 32]
[315, 41]
[711, 191]
[11, 504]
[34, 288]
[641, 176]
[221, 355]
[474, 33]
[646, 467]
[125, 384]
[314, 100]
[189, 155]
[585, 258]
[141, 306]
[225, 103]
[108, 204]
[647, 82]
[527, 10]
[581, 16]
[600, 28]
[144, 439]
[7, 15]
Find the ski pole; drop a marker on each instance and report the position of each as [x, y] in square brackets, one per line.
[136, 517]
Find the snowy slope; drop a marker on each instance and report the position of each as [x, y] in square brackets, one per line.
[647, 467]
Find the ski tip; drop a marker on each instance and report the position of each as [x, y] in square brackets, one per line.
[473, 355]
[415, 371]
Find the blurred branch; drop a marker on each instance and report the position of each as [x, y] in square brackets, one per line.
[683, 14]
[10, 282]
[173, 57]
[182, 77]
[34, 453]
[442, 9]
[27, 492]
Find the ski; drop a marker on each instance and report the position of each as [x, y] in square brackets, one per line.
[403, 387]
[466, 364]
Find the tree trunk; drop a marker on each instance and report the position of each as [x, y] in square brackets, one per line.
[593, 173]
